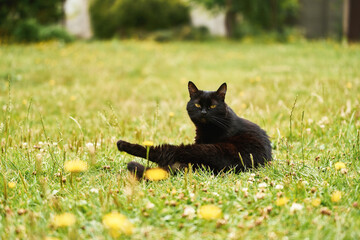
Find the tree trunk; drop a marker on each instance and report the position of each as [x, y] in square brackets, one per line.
[230, 19]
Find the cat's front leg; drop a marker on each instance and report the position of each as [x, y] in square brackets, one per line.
[133, 149]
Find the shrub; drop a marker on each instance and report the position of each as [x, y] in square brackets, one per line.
[14, 13]
[187, 33]
[126, 17]
[55, 32]
[31, 31]
[103, 17]
[27, 31]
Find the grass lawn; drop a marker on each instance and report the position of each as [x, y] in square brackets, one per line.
[57, 101]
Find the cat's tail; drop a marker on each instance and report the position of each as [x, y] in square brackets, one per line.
[137, 169]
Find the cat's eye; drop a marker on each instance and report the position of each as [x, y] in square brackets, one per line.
[213, 106]
[197, 105]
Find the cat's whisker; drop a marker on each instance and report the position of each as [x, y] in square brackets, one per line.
[220, 121]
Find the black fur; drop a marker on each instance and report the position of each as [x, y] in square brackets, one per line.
[223, 140]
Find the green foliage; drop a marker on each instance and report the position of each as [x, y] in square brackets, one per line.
[272, 15]
[186, 33]
[31, 31]
[12, 13]
[127, 17]
[269, 15]
[55, 32]
[104, 18]
[27, 31]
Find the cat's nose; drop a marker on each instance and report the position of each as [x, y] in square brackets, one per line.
[203, 112]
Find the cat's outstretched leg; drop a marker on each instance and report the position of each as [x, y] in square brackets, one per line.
[133, 149]
[216, 156]
[137, 169]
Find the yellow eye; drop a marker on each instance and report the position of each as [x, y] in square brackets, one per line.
[197, 105]
[213, 106]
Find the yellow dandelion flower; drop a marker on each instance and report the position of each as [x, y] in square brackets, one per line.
[117, 224]
[64, 220]
[281, 201]
[340, 165]
[75, 166]
[171, 114]
[52, 82]
[12, 184]
[51, 238]
[336, 196]
[349, 85]
[210, 212]
[156, 174]
[316, 202]
[148, 143]
[72, 98]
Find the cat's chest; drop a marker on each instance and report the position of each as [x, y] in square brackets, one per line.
[208, 137]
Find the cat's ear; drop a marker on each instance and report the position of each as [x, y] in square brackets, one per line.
[222, 91]
[192, 89]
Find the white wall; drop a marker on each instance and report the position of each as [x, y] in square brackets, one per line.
[77, 18]
[214, 22]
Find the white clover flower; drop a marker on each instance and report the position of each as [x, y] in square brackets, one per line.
[262, 185]
[279, 186]
[260, 195]
[189, 212]
[94, 190]
[305, 183]
[91, 148]
[296, 207]
[150, 205]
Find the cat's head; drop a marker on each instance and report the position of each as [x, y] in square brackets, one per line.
[207, 107]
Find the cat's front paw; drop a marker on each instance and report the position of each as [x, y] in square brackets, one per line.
[121, 145]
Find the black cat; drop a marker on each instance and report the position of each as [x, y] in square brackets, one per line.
[223, 140]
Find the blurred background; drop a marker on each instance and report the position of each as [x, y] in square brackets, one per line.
[167, 20]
